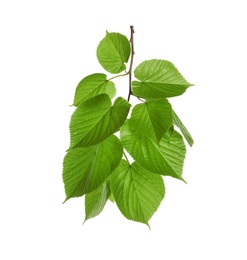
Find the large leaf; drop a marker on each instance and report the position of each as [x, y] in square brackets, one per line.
[158, 79]
[113, 51]
[95, 120]
[155, 116]
[165, 157]
[96, 200]
[92, 86]
[86, 168]
[183, 129]
[137, 192]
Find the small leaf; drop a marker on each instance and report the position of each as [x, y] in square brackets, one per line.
[165, 157]
[95, 201]
[86, 168]
[92, 86]
[183, 129]
[113, 51]
[95, 120]
[159, 79]
[137, 192]
[156, 113]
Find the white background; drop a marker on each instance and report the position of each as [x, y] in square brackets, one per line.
[47, 47]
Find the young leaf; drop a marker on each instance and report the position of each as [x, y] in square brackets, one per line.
[92, 86]
[156, 113]
[159, 79]
[137, 192]
[96, 200]
[86, 168]
[183, 129]
[113, 51]
[95, 120]
[165, 157]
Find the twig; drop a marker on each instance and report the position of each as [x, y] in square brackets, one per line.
[132, 58]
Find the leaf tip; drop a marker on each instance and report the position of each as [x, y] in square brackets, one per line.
[183, 180]
[148, 226]
[65, 200]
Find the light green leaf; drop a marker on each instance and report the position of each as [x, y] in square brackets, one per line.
[95, 201]
[137, 192]
[86, 168]
[113, 51]
[111, 198]
[92, 86]
[159, 79]
[155, 116]
[183, 129]
[165, 157]
[95, 120]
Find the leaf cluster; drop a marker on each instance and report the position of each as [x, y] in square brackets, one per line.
[106, 134]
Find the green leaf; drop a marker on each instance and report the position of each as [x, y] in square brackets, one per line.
[92, 86]
[183, 129]
[111, 198]
[159, 79]
[86, 168]
[155, 116]
[113, 51]
[165, 157]
[95, 201]
[95, 120]
[137, 192]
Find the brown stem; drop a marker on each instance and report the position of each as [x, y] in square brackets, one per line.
[131, 59]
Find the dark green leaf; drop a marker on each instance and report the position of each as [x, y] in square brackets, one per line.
[95, 120]
[113, 51]
[86, 168]
[183, 129]
[165, 157]
[155, 116]
[96, 200]
[159, 79]
[137, 192]
[92, 86]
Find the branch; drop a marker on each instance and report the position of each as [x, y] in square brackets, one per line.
[132, 58]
